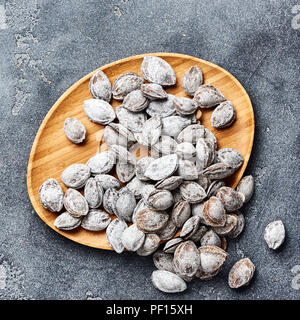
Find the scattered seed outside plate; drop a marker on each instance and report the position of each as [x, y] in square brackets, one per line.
[52, 152]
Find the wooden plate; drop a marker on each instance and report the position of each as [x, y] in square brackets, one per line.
[52, 152]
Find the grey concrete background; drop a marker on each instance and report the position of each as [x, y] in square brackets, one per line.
[47, 45]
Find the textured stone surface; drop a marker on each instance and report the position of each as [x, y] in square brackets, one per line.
[45, 46]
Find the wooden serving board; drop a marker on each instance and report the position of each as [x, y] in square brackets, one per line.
[52, 152]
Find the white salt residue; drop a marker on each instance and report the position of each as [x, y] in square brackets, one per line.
[11, 281]
[3, 277]
[296, 279]
[91, 296]
[210, 261]
[118, 11]
[20, 99]
[3, 24]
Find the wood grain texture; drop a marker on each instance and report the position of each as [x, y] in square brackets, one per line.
[52, 152]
